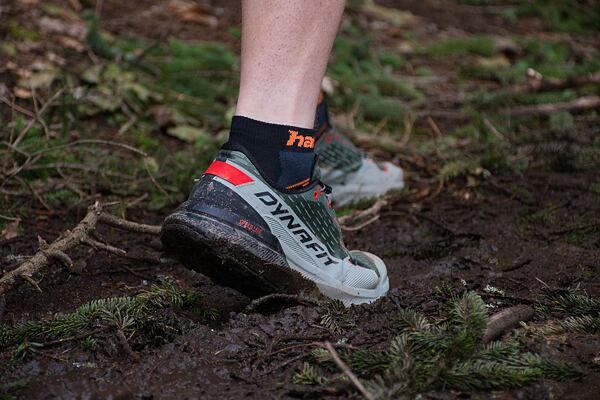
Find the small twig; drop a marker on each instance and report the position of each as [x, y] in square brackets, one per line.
[76, 337]
[97, 245]
[37, 118]
[17, 107]
[129, 225]
[125, 344]
[493, 129]
[374, 210]
[9, 218]
[2, 305]
[70, 239]
[311, 344]
[60, 256]
[543, 283]
[92, 141]
[32, 283]
[579, 104]
[277, 296]
[574, 228]
[505, 320]
[361, 225]
[346, 370]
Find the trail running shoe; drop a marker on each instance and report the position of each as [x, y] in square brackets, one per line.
[351, 174]
[269, 240]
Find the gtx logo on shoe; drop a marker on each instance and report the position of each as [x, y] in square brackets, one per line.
[284, 215]
[302, 141]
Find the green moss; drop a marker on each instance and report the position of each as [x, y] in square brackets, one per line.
[595, 188]
[475, 44]
[19, 32]
[563, 15]
[392, 59]
[63, 197]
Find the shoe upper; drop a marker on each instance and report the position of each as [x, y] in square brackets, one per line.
[300, 224]
[352, 175]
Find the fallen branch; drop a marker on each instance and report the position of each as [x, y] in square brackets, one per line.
[346, 370]
[81, 234]
[505, 320]
[66, 241]
[579, 104]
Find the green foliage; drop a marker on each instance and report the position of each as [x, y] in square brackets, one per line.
[429, 356]
[121, 312]
[542, 217]
[335, 317]
[474, 44]
[94, 39]
[570, 301]
[367, 81]
[564, 15]
[581, 309]
[595, 187]
[468, 314]
[19, 32]
[583, 324]
[309, 376]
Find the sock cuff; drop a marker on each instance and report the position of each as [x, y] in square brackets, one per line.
[283, 154]
[321, 117]
[285, 137]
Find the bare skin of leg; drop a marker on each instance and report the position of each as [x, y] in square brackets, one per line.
[285, 48]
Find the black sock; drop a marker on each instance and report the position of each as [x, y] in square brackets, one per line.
[284, 155]
[322, 117]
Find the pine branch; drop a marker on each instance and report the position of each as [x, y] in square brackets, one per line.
[469, 313]
[582, 324]
[572, 302]
[122, 312]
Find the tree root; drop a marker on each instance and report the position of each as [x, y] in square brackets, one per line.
[505, 320]
[81, 234]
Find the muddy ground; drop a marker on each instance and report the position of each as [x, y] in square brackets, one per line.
[460, 235]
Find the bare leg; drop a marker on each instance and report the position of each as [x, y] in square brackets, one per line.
[285, 48]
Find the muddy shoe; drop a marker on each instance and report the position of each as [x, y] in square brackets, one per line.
[268, 240]
[352, 175]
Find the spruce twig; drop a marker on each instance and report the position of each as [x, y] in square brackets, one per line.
[342, 365]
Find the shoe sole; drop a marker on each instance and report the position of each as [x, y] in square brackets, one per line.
[229, 256]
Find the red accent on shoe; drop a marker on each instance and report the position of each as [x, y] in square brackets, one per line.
[228, 172]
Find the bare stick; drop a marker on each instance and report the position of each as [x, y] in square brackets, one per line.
[505, 320]
[277, 296]
[66, 241]
[579, 104]
[538, 83]
[97, 245]
[361, 214]
[346, 370]
[128, 225]
[361, 225]
[69, 239]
